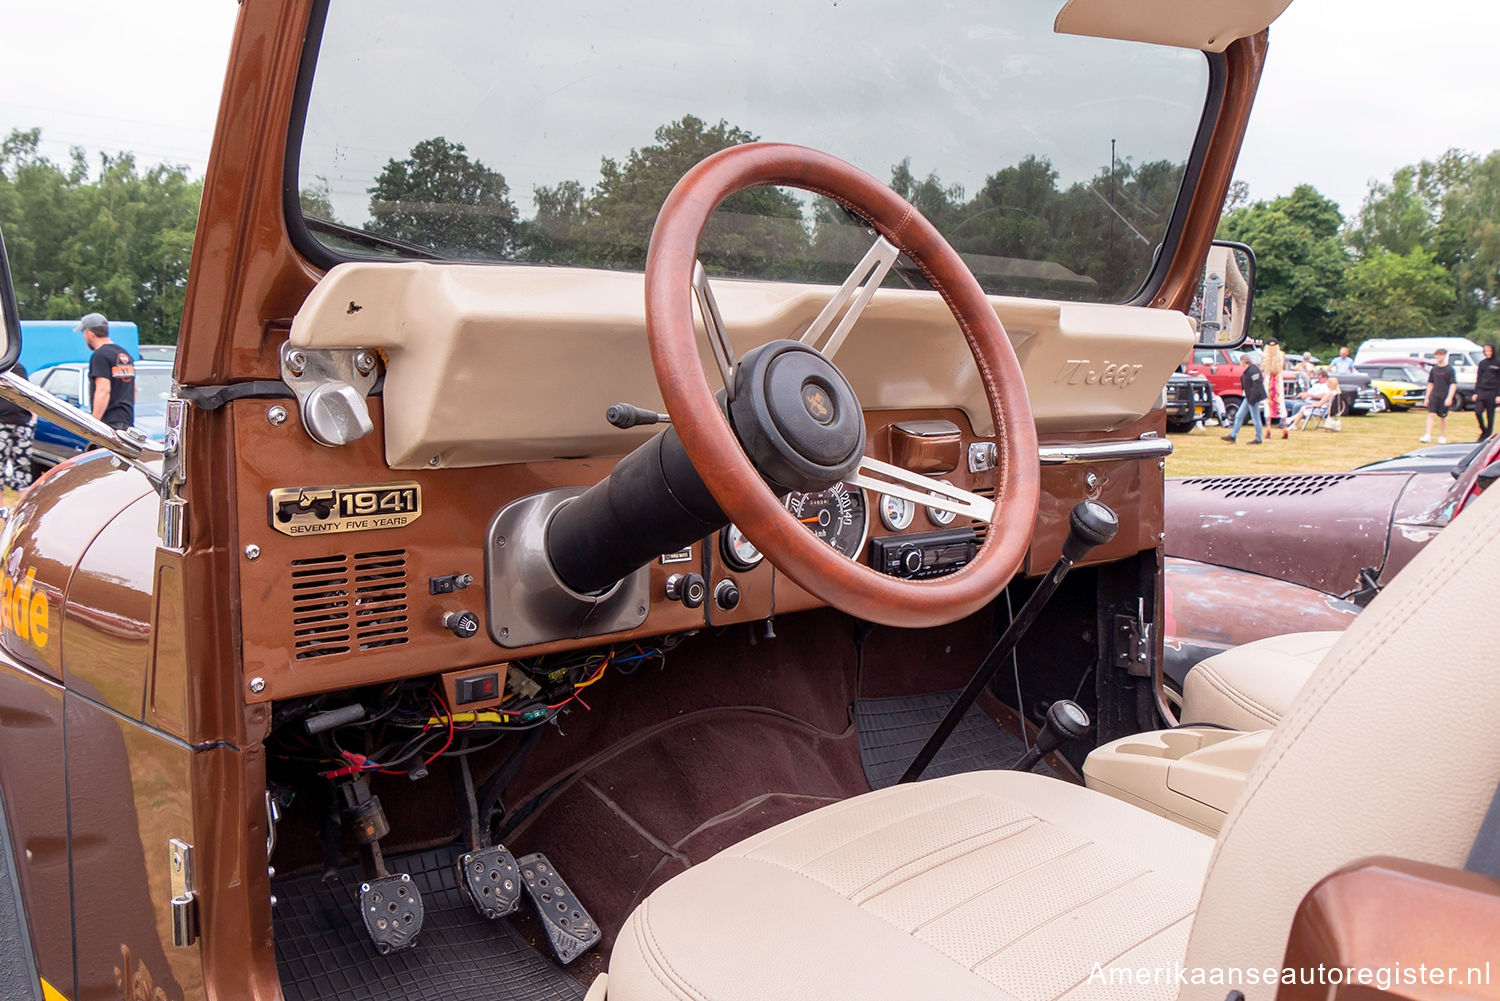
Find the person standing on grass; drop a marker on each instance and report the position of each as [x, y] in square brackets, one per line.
[1343, 364]
[1486, 391]
[1275, 365]
[1441, 388]
[1253, 386]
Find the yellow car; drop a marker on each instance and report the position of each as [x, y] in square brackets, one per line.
[1401, 387]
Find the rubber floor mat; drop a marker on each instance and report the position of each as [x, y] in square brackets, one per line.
[322, 950]
[891, 731]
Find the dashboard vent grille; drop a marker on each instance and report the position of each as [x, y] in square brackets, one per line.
[981, 529]
[342, 603]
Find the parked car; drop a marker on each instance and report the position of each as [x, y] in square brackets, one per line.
[1222, 369]
[1402, 386]
[1416, 369]
[1188, 398]
[69, 382]
[1266, 554]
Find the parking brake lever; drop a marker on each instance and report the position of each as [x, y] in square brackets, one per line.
[1090, 524]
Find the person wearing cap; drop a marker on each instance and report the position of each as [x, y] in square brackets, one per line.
[112, 372]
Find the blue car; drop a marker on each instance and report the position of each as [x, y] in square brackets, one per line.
[69, 382]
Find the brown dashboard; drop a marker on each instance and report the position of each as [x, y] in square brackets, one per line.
[327, 610]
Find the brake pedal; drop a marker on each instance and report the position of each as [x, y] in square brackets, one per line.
[570, 929]
[491, 880]
[392, 909]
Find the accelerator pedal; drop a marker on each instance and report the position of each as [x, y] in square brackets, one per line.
[570, 929]
[491, 879]
[392, 909]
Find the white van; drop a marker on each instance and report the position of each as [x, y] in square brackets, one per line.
[1462, 352]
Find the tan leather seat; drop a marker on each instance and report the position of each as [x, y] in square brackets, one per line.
[1251, 687]
[952, 888]
[1004, 886]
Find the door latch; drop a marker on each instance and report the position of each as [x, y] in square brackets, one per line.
[184, 893]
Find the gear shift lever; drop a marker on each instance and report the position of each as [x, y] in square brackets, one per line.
[1090, 524]
[1066, 722]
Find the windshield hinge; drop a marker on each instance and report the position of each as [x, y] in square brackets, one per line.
[331, 386]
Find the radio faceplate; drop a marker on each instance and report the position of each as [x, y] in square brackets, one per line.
[923, 554]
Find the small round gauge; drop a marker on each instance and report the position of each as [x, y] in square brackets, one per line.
[896, 513]
[739, 552]
[836, 515]
[939, 517]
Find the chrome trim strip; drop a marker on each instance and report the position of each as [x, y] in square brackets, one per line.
[1148, 446]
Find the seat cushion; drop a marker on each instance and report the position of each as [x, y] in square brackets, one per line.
[1250, 687]
[986, 885]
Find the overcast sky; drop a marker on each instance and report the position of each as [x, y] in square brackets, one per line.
[1349, 93]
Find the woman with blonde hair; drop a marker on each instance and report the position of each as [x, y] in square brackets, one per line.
[1275, 364]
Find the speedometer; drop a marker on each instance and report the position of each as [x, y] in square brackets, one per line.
[836, 515]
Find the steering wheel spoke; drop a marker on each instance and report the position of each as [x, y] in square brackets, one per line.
[713, 323]
[884, 478]
[859, 286]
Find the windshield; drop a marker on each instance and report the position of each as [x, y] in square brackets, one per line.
[551, 133]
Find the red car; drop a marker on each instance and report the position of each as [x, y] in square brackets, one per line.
[1222, 369]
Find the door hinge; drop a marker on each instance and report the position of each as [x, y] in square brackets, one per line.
[184, 893]
[1132, 643]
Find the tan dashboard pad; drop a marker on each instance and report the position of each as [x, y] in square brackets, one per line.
[457, 336]
[1189, 24]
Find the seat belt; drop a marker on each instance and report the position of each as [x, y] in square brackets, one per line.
[1484, 855]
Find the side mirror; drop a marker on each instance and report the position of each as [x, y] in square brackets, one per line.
[1222, 307]
[10, 315]
[1489, 474]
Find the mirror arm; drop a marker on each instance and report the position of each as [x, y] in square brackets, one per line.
[132, 447]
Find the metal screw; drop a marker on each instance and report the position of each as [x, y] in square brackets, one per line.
[499, 542]
[640, 610]
[1162, 537]
[364, 362]
[1162, 464]
[271, 871]
[273, 900]
[277, 416]
[364, 888]
[434, 460]
[296, 361]
[405, 878]
[252, 552]
[257, 685]
[504, 633]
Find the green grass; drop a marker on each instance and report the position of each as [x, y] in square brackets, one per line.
[1362, 440]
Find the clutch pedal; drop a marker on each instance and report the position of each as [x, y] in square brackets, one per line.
[491, 880]
[392, 909]
[570, 929]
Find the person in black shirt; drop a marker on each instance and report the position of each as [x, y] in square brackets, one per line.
[112, 373]
[1253, 385]
[15, 445]
[1441, 388]
[1486, 391]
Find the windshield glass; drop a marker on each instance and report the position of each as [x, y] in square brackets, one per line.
[551, 133]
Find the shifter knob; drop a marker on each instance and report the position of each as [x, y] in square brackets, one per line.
[1066, 721]
[1090, 524]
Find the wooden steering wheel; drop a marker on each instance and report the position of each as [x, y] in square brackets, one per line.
[674, 279]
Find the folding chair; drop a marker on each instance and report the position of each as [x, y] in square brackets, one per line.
[1320, 412]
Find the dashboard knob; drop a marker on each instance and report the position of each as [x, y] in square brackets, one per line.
[461, 624]
[911, 560]
[726, 595]
[689, 589]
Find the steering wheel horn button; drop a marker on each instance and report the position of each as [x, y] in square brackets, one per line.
[817, 402]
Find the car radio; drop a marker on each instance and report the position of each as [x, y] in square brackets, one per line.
[923, 554]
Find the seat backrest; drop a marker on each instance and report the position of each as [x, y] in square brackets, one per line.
[1392, 748]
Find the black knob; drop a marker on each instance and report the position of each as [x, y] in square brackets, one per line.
[1066, 721]
[624, 415]
[461, 624]
[689, 589]
[1090, 524]
[726, 595]
[911, 559]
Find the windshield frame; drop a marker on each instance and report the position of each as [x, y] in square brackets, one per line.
[325, 257]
